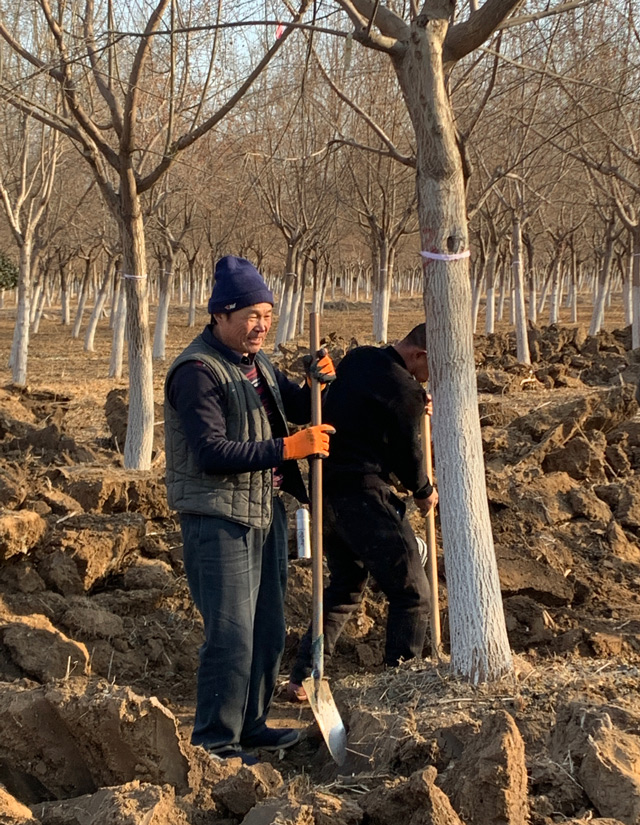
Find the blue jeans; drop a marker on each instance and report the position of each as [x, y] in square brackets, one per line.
[237, 576]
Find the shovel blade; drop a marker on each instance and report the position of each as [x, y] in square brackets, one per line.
[327, 716]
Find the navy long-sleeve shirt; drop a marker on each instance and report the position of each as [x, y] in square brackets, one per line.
[195, 394]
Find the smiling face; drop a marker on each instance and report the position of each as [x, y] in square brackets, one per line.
[245, 330]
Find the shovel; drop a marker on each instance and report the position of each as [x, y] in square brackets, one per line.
[316, 686]
[432, 558]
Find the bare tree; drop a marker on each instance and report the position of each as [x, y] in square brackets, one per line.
[134, 102]
[420, 49]
[27, 173]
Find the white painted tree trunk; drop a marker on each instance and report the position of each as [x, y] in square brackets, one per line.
[504, 288]
[35, 298]
[381, 293]
[490, 280]
[39, 311]
[532, 312]
[286, 303]
[194, 288]
[82, 302]
[490, 312]
[96, 313]
[554, 300]
[479, 645]
[117, 340]
[542, 298]
[162, 316]
[475, 299]
[520, 319]
[139, 442]
[64, 296]
[323, 288]
[292, 318]
[20, 346]
[597, 316]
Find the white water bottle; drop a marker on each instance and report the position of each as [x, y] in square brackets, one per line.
[302, 533]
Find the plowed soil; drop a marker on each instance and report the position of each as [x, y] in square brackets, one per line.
[95, 611]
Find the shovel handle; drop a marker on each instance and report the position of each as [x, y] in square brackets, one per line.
[316, 515]
[432, 553]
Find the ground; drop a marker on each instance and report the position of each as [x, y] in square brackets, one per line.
[99, 637]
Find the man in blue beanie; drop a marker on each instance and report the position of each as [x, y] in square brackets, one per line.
[229, 455]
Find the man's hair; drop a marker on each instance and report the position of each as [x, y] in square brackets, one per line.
[417, 337]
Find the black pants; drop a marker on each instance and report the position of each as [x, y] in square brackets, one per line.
[365, 531]
[237, 576]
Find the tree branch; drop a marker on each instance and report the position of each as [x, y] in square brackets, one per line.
[190, 137]
[105, 91]
[127, 141]
[463, 38]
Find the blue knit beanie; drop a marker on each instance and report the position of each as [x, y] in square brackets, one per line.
[237, 284]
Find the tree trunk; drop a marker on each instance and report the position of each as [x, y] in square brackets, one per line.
[98, 307]
[290, 333]
[479, 645]
[490, 280]
[302, 305]
[597, 316]
[82, 300]
[554, 298]
[117, 341]
[522, 342]
[20, 346]
[165, 278]
[64, 295]
[477, 280]
[286, 297]
[505, 286]
[139, 443]
[635, 290]
[381, 291]
[194, 289]
[39, 311]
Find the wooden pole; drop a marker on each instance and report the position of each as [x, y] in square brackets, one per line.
[432, 554]
[316, 512]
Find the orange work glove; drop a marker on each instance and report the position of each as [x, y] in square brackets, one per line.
[320, 367]
[310, 441]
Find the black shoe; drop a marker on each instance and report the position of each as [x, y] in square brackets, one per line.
[232, 752]
[272, 739]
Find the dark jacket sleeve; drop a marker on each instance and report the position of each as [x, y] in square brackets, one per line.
[296, 399]
[405, 404]
[195, 395]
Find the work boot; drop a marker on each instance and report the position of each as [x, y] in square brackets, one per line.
[232, 752]
[295, 692]
[272, 739]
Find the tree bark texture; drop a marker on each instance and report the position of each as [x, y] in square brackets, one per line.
[479, 645]
[20, 347]
[520, 319]
[139, 442]
[117, 341]
[490, 280]
[635, 290]
[604, 276]
[98, 307]
[162, 315]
